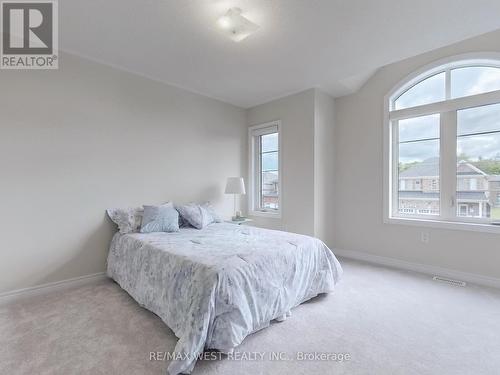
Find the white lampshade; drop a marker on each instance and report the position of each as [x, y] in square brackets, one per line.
[235, 185]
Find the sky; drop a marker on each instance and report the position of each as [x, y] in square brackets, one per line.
[270, 152]
[465, 81]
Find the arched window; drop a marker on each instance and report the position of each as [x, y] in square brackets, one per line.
[443, 142]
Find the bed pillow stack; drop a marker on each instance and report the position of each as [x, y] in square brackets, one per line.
[164, 218]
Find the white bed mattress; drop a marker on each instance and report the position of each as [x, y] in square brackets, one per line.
[215, 286]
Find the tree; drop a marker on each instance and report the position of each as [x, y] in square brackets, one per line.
[488, 166]
[404, 166]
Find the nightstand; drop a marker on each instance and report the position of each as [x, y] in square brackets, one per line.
[239, 222]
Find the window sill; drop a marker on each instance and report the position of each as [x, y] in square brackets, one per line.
[439, 224]
[271, 215]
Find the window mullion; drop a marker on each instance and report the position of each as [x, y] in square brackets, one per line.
[448, 168]
[259, 177]
[448, 83]
[395, 168]
[256, 173]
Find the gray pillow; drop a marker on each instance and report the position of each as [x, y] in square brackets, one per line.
[195, 215]
[163, 218]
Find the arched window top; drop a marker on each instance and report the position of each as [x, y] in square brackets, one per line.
[429, 90]
[448, 80]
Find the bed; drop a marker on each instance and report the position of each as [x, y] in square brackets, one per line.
[215, 286]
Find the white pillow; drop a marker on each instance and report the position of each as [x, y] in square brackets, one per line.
[128, 219]
[198, 215]
[216, 218]
[195, 215]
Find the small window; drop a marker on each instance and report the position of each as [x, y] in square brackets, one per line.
[473, 184]
[463, 210]
[265, 195]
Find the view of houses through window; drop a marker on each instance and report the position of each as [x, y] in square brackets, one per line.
[478, 155]
[265, 168]
[419, 191]
[269, 180]
[425, 143]
[478, 190]
[478, 164]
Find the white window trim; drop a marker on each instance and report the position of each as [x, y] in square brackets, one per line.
[449, 219]
[253, 182]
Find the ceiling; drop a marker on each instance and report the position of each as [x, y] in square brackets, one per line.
[334, 45]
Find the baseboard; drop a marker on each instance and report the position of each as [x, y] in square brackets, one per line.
[422, 268]
[50, 287]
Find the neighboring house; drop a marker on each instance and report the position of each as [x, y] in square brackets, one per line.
[419, 190]
[270, 191]
[494, 188]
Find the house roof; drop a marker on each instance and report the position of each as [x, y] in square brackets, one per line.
[430, 168]
[473, 195]
[465, 168]
[461, 195]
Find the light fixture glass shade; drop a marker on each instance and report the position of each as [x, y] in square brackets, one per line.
[235, 26]
[235, 185]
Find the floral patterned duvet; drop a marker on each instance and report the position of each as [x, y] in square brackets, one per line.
[215, 286]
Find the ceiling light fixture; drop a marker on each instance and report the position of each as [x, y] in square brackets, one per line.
[235, 26]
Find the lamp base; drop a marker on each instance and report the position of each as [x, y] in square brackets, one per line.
[238, 218]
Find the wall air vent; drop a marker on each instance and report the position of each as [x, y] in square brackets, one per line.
[449, 281]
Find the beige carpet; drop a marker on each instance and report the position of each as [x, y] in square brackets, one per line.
[388, 321]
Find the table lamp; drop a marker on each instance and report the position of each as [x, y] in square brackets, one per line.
[235, 186]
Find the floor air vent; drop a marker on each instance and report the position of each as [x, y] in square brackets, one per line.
[449, 281]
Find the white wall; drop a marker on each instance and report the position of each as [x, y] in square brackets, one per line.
[358, 187]
[88, 137]
[324, 167]
[296, 113]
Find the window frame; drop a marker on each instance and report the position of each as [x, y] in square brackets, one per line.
[447, 109]
[255, 169]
